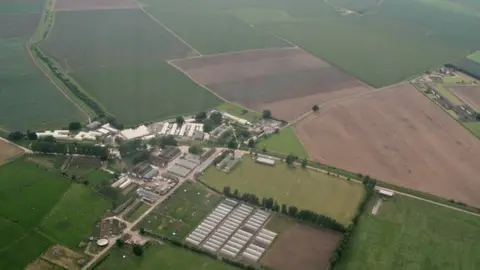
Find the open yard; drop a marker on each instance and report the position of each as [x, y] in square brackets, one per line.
[8, 151]
[408, 234]
[301, 247]
[158, 256]
[398, 136]
[469, 94]
[288, 81]
[179, 215]
[306, 189]
[285, 142]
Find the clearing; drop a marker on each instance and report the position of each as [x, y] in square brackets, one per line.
[303, 188]
[300, 247]
[469, 94]
[182, 211]
[404, 226]
[287, 81]
[285, 142]
[8, 151]
[158, 256]
[397, 136]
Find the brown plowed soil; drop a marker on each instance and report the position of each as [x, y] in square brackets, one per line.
[398, 136]
[302, 247]
[8, 151]
[288, 81]
[469, 95]
[73, 5]
[18, 24]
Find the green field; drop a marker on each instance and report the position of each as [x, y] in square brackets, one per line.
[303, 188]
[474, 127]
[475, 57]
[398, 40]
[411, 234]
[38, 206]
[137, 212]
[446, 93]
[161, 257]
[285, 142]
[27, 96]
[71, 220]
[98, 178]
[238, 111]
[21, 6]
[179, 215]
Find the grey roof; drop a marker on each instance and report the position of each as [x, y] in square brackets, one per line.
[186, 163]
[180, 171]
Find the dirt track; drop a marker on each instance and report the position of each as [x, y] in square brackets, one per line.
[288, 81]
[302, 247]
[469, 94]
[400, 137]
[75, 5]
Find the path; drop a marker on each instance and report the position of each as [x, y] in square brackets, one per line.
[26, 150]
[376, 207]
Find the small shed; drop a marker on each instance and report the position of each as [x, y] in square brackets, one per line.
[386, 193]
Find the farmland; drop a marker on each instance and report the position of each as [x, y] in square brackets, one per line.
[8, 151]
[287, 81]
[306, 189]
[21, 6]
[398, 136]
[239, 111]
[182, 212]
[301, 247]
[447, 239]
[469, 94]
[161, 257]
[284, 142]
[18, 25]
[475, 57]
[72, 5]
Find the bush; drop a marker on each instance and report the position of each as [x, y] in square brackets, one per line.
[138, 250]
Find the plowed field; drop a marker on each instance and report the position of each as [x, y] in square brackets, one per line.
[398, 136]
[287, 81]
[8, 151]
[469, 94]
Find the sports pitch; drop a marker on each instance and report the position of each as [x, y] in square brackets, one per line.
[304, 188]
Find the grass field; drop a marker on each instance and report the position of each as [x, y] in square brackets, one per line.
[21, 6]
[411, 234]
[475, 57]
[446, 93]
[179, 215]
[474, 127]
[27, 96]
[72, 219]
[80, 166]
[285, 142]
[303, 188]
[161, 257]
[239, 111]
[24, 250]
[48, 161]
[98, 178]
[134, 215]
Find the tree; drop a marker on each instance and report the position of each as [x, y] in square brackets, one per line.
[138, 250]
[292, 211]
[226, 190]
[74, 126]
[216, 117]
[32, 135]
[16, 136]
[207, 125]
[290, 159]
[244, 112]
[120, 243]
[251, 143]
[284, 208]
[304, 163]
[200, 116]
[142, 231]
[195, 149]
[232, 144]
[266, 114]
[315, 108]
[264, 149]
[477, 117]
[180, 120]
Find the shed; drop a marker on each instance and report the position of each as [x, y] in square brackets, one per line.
[266, 161]
[386, 192]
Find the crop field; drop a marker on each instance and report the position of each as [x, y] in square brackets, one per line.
[469, 94]
[475, 57]
[47, 161]
[18, 25]
[288, 81]
[285, 142]
[161, 257]
[301, 247]
[179, 215]
[21, 6]
[304, 188]
[398, 136]
[26, 93]
[8, 151]
[447, 93]
[238, 111]
[410, 234]
[24, 250]
[74, 5]
[72, 219]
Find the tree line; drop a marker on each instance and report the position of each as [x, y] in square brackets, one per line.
[52, 147]
[292, 211]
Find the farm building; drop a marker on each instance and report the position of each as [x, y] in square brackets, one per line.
[236, 119]
[179, 171]
[198, 135]
[228, 163]
[145, 171]
[161, 157]
[89, 136]
[148, 195]
[129, 134]
[57, 134]
[265, 161]
[386, 193]
[94, 125]
[186, 164]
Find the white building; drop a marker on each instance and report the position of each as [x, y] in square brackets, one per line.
[57, 134]
[129, 134]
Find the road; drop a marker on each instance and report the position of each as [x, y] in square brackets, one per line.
[26, 150]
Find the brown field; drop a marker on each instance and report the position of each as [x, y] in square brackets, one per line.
[71, 5]
[40, 264]
[302, 247]
[64, 257]
[398, 136]
[469, 95]
[8, 151]
[288, 81]
[18, 24]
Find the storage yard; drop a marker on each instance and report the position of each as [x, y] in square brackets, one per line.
[269, 79]
[399, 136]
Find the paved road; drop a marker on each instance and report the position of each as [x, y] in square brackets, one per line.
[26, 150]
